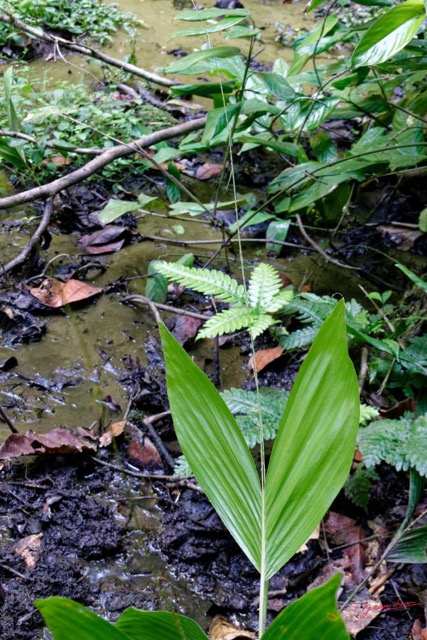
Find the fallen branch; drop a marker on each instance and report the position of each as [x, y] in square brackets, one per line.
[93, 166]
[21, 257]
[56, 41]
[135, 299]
[320, 250]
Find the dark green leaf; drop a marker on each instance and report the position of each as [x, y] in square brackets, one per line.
[411, 548]
[156, 288]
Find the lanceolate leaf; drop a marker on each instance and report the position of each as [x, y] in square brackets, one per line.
[315, 615]
[214, 447]
[314, 445]
[69, 620]
[158, 625]
[390, 33]
[411, 548]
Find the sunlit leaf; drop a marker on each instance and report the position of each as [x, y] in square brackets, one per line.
[315, 615]
[314, 445]
[389, 34]
[69, 620]
[157, 625]
[204, 425]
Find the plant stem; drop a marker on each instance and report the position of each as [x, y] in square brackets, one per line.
[263, 601]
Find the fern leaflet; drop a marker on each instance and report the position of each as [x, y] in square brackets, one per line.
[227, 321]
[208, 282]
[264, 284]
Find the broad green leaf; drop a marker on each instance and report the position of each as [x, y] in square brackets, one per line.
[218, 123]
[157, 625]
[422, 221]
[241, 31]
[156, 288]
[315, 443]
[116, 208]
[209, 14]
[186, 63]
[411, 548]
[389, 34]
[11, 155]
[315, 615]
[277, 230]
[214, 447]
[250, 218]
[69, 620]
[12, 116]
[221, 25]
[204, 88]
[278, 86]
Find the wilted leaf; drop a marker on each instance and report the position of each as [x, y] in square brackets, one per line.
[360, 613]
[185, 328]
[221, 629]
[54, 293]
[58, 441]
[263, 357]
[113, 431]
[418, 631]
[403, 237]
[29, 549]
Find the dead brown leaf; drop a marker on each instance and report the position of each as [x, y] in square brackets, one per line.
[343, 530]
[107, 240]
[55, 294]
[403, 237]
[185, 328]
[144, 455]
[221, 629]
[418, 632]
[113, 431]
[264, 357]
[29, 549]
[208, 170]
[59, 441]
[360, 613]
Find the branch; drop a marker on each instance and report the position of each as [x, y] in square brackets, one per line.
[21, 257]
[87, 51]
[95, 165]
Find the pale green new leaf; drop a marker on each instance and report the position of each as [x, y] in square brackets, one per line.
[69, 620]
[260, 324]
[228, 321]
[264, 284]
[389, 34]
[314, 445]
[116, 208]
[158, 625]
[315, 615]
[280, 300]
[214, 447]
[209, 283]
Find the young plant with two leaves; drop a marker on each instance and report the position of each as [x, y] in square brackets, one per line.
[271, 510]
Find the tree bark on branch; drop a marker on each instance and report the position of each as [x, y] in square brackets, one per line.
[95, 165]
[57, 41]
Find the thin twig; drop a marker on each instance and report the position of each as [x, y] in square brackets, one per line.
[164, 307]
[319, 249]
[87, 51]
[7, 420]
[21, 257]
[129, 472]
[363, 368]
[95, 165]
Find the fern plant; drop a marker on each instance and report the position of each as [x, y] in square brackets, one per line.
[402, 443]
[250, 308]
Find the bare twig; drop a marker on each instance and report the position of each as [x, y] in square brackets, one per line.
[95, 165]
[5, 418]
[87, 51]
[21, 257]
[319, 249]
[164, 307]
[129, 472]
[363, 368]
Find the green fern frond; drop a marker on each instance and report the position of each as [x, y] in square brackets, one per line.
[227, 321]
[280, 300]
[182, 468]
[264, 284]
[259, 324]
[206, 281]
[402, 443]
[299, 338]
[367, 413]
[359, 485]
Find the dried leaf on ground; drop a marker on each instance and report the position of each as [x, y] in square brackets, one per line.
[55, 294]
[418, 632]
[361, 612]
[58, 441]
[221, 629]
[403, 237]
[107, 240]
[264, 357]
[398, 410]
[113, 431]
[29, 549]
[185, 328]
[208, 170]
[144, 455]
[343, 530]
